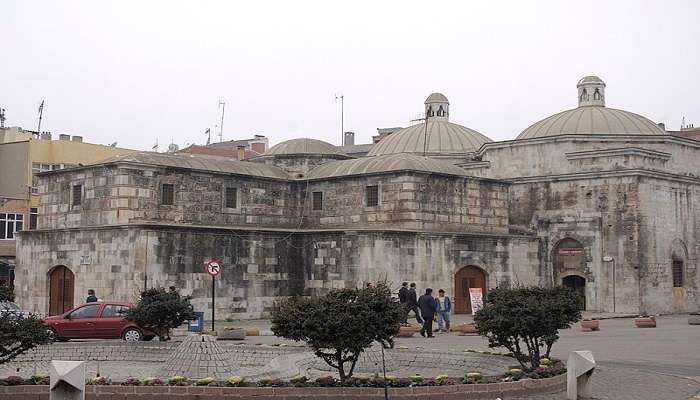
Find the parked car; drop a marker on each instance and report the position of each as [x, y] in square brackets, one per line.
[12, 309]
[101, 320]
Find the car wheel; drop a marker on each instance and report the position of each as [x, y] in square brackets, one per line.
[132, 335]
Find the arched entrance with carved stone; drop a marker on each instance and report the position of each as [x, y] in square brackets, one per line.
[569, 258]
[468, 277]
[61, 289]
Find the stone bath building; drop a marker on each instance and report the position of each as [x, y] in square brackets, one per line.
[595, 198]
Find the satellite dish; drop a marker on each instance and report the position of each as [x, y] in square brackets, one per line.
[172, 148]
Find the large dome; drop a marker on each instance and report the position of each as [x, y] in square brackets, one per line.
[444, 138]
[592, 117]
[304, 146]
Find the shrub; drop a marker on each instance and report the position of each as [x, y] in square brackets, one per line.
[160, 311]
[264, 381]
[326, 381]
[177, 379]
[235, 381]
[476, 376]
[529, 316]
[39, 379]
[340, 325]
[19, 334]
[299, 380]
[14, 381]
[7, 293]
[152, 381]
[131, 381]
[204, 381]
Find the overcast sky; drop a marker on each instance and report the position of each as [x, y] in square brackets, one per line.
[132, 72]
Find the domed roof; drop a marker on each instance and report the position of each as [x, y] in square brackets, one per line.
[444, 138]
[592, 117]
[385, 163]
[304, 146]
[436, 98]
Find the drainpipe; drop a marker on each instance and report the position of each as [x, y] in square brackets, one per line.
[610, 259]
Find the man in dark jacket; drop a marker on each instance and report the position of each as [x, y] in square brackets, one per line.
[412, 303]
[428, 308]
[403, 299]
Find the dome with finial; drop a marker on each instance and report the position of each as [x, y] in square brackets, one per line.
[592, 117]
[304, 146]
[441, 138]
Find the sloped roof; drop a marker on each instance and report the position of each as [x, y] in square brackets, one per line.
[200, 162]
[383, 164]
[218, 151]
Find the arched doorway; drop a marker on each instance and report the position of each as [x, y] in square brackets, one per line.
[61, 287]
[466, 278]
[578, 284]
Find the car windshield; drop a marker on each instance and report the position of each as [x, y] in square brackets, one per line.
[7, 305]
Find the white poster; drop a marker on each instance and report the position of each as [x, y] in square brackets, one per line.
[477, 299]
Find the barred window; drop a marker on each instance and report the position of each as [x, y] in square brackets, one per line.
[231, 197]
[317, 201]
[677, 271]
[77, 195]
[372, 196]
[167, 195]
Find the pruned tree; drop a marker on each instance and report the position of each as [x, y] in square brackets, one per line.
[161, 311]
[19, 334]
[340, 325]
[524, 320]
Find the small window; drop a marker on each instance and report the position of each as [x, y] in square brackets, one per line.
[85, 312]
[33, 216]
[114, 310]
[10, 224]
[77, 194]
[231, 197]
[317, 201]
[167, 195]
[372, 196]
[677, 273]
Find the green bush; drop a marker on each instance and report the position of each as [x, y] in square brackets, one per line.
[523, 320]
[7, 293]
[19, 334]
[340, 325]
[160, 311]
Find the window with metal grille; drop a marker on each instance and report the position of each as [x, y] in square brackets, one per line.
[77, 195]
[317, 201]
[231, 200]
[167, 194]
[677, 270]
[372, 196]
[33, 217]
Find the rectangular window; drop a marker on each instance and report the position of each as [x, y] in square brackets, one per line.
[167, 195]
[77, 195]
[10, 224]
[33, 217]
[231, 197]
[317, 203]
[677, 268]
[372, 196]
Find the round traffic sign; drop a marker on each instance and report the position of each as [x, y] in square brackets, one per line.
[213, 267]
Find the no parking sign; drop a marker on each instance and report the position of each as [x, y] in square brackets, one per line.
[213, 268]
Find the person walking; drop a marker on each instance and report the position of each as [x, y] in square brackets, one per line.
[412, 303]
[428, 308]
[444, 308]
[91, 298]
[403, 300]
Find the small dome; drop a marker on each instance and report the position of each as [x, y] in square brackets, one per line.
[590, 79]
[382, 164]
[436, 98]
[304, 146]
[444, 138]
[592, 121]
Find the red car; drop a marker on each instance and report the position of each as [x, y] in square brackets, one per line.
[101, 320]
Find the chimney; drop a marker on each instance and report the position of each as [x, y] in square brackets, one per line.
[240, 152]
[63, 137]
[46, 135]
[349, 139]
[77, 139]
[662, 125]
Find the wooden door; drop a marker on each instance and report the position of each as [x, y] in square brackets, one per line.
[465, 278]
[61, 286]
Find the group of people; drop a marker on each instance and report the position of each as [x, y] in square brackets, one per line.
[426, 308]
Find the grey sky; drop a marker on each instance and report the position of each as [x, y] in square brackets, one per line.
[132, 72]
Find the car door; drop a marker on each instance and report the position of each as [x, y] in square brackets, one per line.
[112, 321]
[81, 322]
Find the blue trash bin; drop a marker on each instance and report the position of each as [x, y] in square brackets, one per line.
[197, 324]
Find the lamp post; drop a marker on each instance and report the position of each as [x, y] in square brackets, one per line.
[610, 259]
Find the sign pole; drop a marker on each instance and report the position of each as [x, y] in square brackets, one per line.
[213, 268]
[213, 289]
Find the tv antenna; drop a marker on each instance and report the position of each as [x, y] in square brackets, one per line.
[41, 113]
[425, 133]
[221, 127]
[342, 118]
[2, 117]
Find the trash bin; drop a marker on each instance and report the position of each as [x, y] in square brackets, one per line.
[197, 324]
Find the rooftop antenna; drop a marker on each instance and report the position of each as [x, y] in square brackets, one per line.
[342, 118]
[425, 133]
[41, 113]
[221, 127]
[155, 146]
[683, 123]
[208, 133]
[2, 117]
